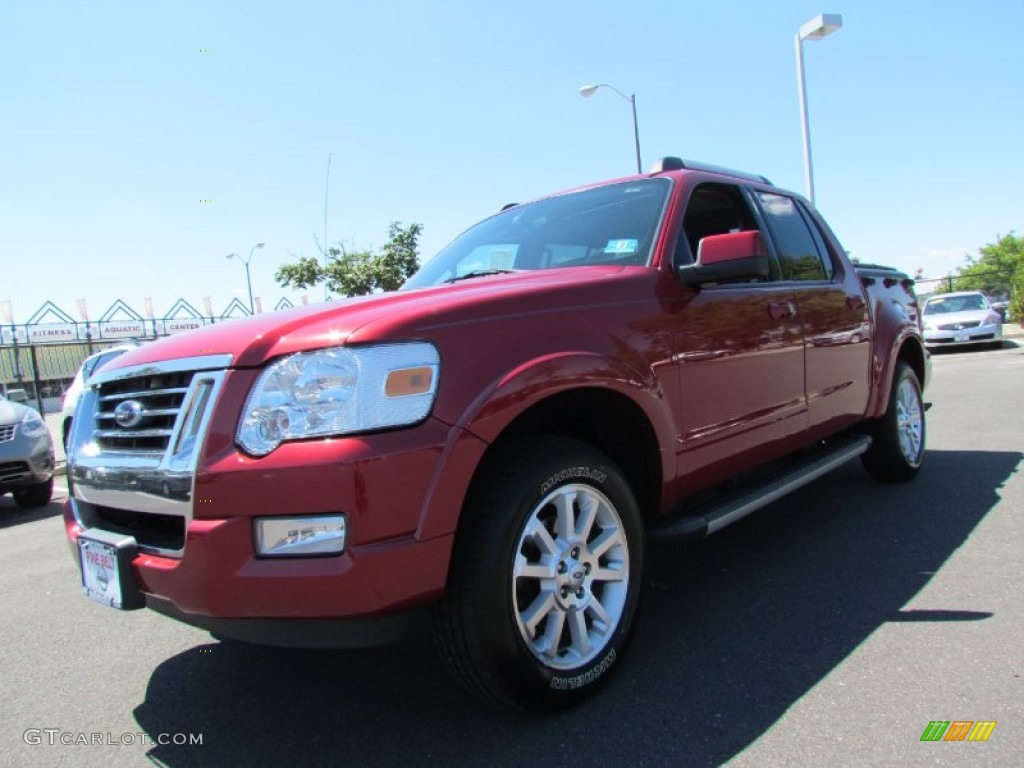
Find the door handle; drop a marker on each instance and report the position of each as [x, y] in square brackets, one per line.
[780, 310]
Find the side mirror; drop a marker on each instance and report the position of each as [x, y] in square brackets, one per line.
[730, 257]
[17, 395]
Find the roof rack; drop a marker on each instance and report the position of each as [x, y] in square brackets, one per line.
[671, 163]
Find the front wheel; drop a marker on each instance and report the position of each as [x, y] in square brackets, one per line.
[897, 447]
[34, 496]
[545, 576]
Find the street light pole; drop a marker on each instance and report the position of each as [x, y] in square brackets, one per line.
[588, 90]
[248, 278]
[248, 281]
[819, 27]
[636, 133]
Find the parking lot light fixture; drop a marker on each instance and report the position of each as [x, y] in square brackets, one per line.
[818, 28]
[248, 278]
[587, 91]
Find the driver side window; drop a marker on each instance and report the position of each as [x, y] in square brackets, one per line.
[713, 209]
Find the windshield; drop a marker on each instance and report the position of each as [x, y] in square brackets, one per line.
[89, 367]
[949, 304]
[614, 224]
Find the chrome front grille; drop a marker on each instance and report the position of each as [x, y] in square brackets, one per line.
[960, 326]
[139, 414]
[134, 450]
[7, 433]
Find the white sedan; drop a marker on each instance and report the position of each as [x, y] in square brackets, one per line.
[960, 319]
[89, 366]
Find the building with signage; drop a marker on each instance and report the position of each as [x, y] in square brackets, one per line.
[42, 354]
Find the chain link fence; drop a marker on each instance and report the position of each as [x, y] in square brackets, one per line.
[41, 372]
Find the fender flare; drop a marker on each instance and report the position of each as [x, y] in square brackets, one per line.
[886, 368]
[515, 392]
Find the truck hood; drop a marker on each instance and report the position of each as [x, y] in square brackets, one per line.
[395, 316]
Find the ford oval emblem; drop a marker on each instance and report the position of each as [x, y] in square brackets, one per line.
[128, 414]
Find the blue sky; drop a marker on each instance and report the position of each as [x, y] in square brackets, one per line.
[117, 123]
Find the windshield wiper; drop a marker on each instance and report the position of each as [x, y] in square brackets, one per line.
[479, 273]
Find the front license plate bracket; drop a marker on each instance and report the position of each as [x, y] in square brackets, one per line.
[106, 567]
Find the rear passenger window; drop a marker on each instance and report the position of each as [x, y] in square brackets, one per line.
[801, 255]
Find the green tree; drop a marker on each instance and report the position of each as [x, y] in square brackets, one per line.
[998, 269]
[304, 273]
[399, 259]
[360, 272]
[1006, 255]
[997, 263]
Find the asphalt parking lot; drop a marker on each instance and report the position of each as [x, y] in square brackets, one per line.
[828, 629]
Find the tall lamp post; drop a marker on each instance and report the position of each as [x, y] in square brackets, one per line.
[588, 90]
[819, 27]
[248, 279]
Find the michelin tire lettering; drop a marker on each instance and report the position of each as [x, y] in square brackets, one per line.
[573, 472]
[588, 677]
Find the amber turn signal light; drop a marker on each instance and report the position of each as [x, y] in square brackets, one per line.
[409, 381]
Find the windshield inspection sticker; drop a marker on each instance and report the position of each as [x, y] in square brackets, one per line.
[622, 246]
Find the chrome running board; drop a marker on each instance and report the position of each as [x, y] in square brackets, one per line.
[718, 515]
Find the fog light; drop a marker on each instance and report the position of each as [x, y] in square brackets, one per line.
[300, 536]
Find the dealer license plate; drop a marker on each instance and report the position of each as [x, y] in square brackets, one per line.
[100, 577]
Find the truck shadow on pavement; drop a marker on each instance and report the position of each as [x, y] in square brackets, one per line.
[733, 631]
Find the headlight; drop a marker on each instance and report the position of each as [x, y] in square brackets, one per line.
[993, 319]
[32, 425]
[339, 391]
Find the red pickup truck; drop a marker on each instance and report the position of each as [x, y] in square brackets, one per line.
[657, 355]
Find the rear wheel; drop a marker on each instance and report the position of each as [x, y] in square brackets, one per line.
[34, 496]
[897, 447]
[545, 576]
